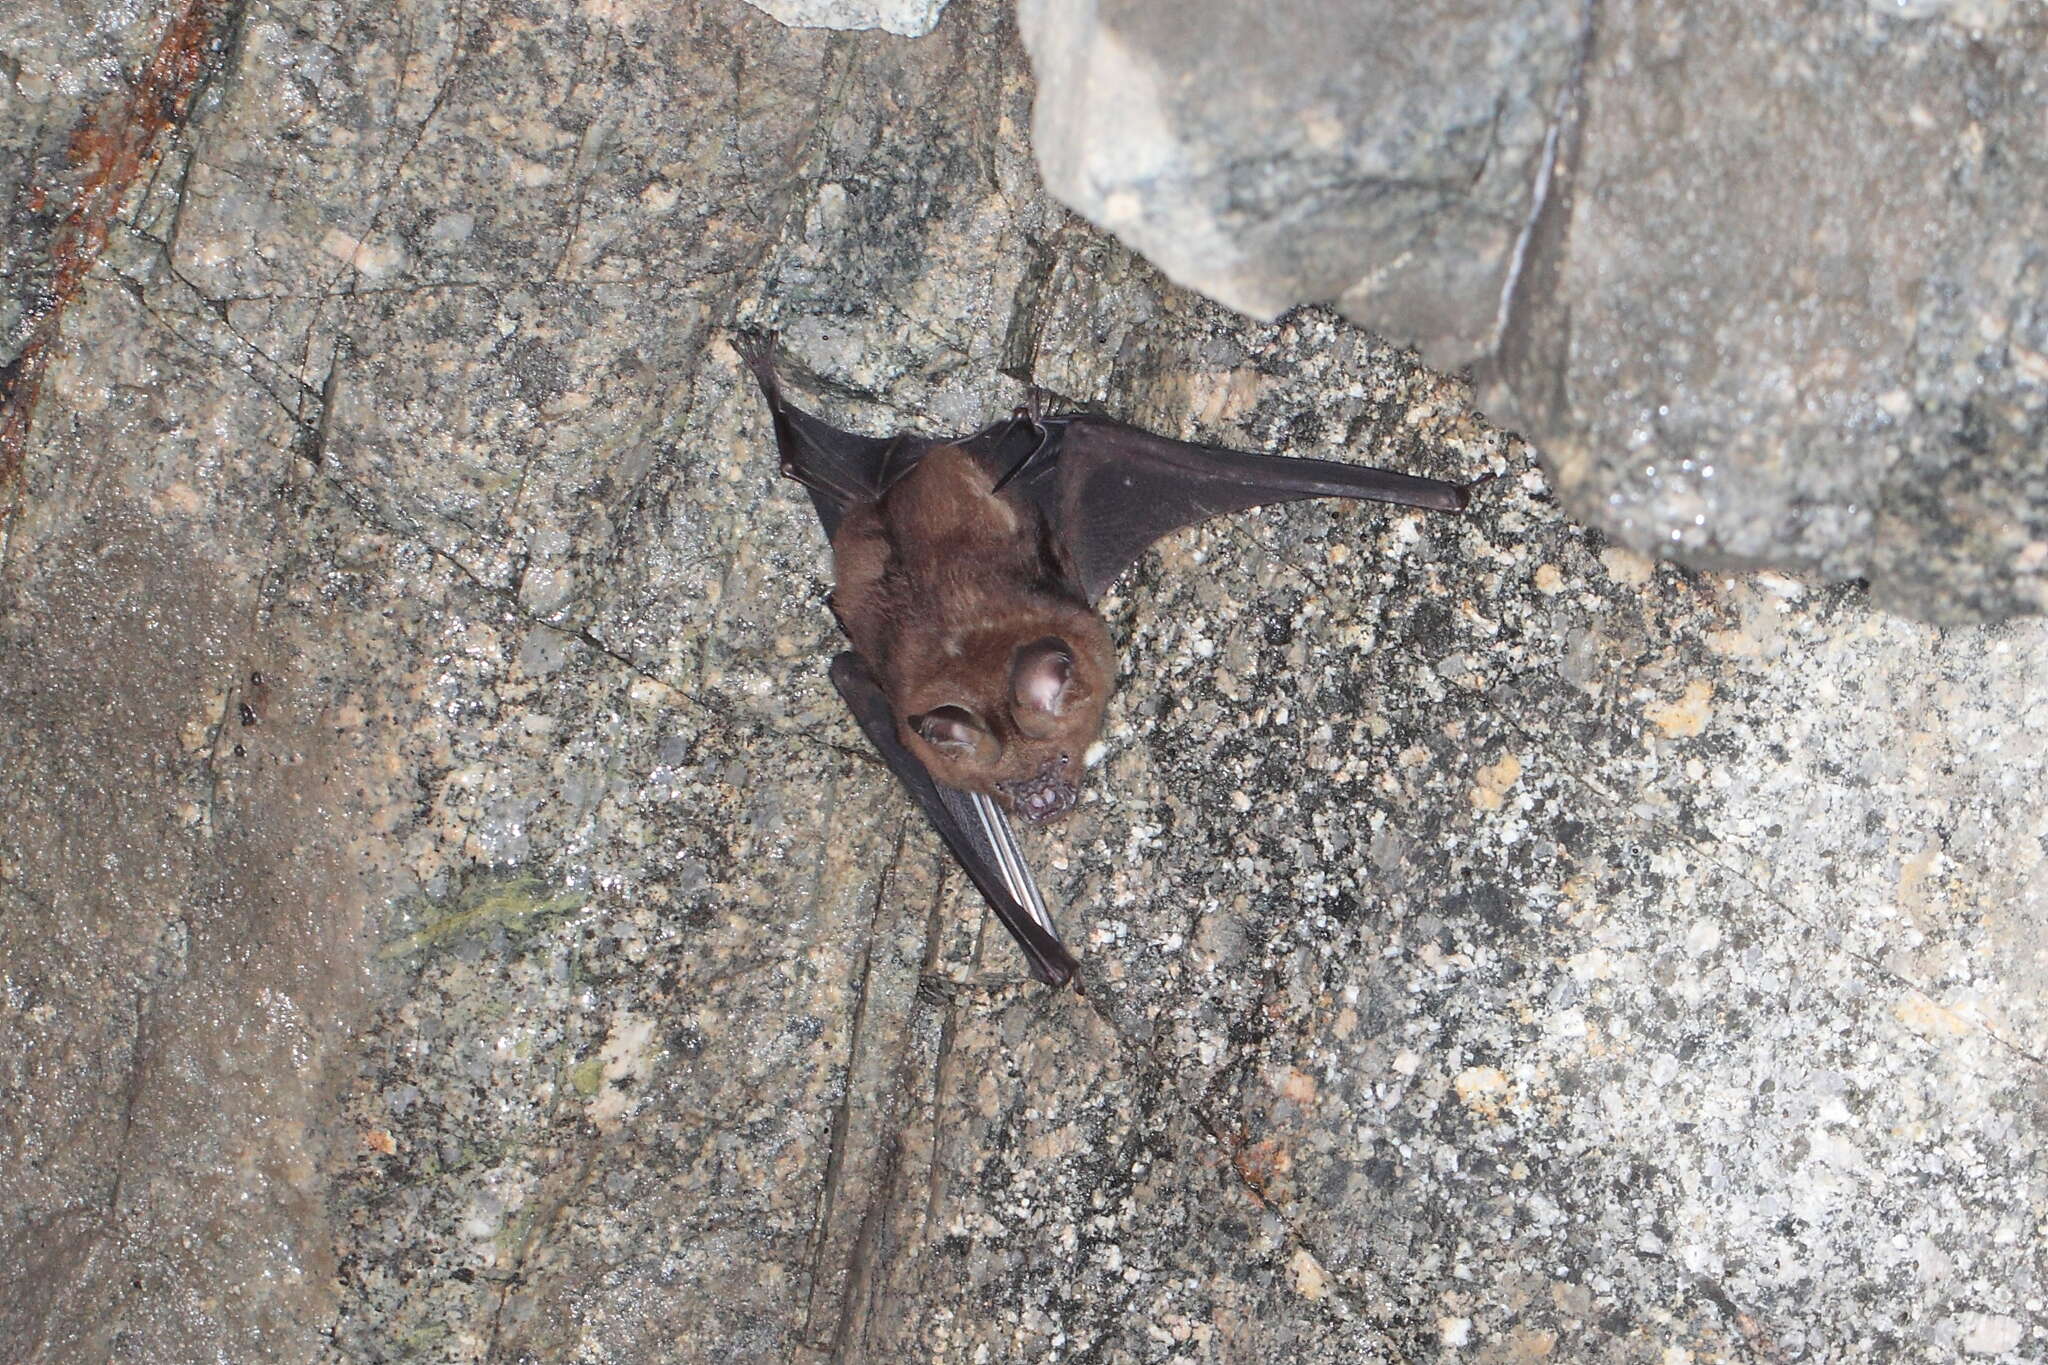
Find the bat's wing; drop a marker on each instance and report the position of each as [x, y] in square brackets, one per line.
[1109, 490]
[972, 826]
[840, 468]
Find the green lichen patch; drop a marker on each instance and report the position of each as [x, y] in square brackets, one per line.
[512, 901]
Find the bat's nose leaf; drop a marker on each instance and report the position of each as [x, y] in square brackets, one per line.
[1044, 796]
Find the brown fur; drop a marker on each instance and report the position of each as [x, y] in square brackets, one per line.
[941, 583]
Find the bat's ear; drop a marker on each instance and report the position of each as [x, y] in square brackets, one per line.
[1042, 685]
[957, 733]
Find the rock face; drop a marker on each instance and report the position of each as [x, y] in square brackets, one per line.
[908, 18]
[446, 915]
[1385, 157]
[1766, 285]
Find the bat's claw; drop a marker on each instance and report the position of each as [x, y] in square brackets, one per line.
[1465, 490]
[758, 350]
[1032, 409]
[1030, 456]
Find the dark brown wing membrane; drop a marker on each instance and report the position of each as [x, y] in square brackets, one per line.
[1109, 490]
[951, 815]
[840, 468]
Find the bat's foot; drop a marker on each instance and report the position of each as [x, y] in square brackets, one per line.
[758, 350]
[1032, 409]
[1029, 413]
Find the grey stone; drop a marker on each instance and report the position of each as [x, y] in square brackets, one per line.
[1765, 284]
[1383, 156]
[448, 915]
[907, 18]
[1798, 312]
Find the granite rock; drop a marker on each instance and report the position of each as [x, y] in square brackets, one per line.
[1386, 157]
[1765, 284]
[449, 916]
[1798, 312]
[906, 18]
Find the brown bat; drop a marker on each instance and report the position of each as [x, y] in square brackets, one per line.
[968, 569]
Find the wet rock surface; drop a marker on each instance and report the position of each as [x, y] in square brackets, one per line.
[1766, 283]
[450, 917]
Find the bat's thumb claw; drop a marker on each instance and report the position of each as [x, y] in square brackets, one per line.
[1057, 972]
[1471, 486]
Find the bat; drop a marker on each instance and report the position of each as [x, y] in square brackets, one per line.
[967, 572]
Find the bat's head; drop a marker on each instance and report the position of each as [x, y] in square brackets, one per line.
[1010, 707]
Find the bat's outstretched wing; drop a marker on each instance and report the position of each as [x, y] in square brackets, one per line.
[840, 468]
[973, 827]
[1109, 490]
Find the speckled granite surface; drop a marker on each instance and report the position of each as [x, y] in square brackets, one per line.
[449, 918]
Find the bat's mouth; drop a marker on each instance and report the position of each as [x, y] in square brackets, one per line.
[1046, 796]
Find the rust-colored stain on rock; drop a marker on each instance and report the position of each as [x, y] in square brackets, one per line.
[111, 146]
